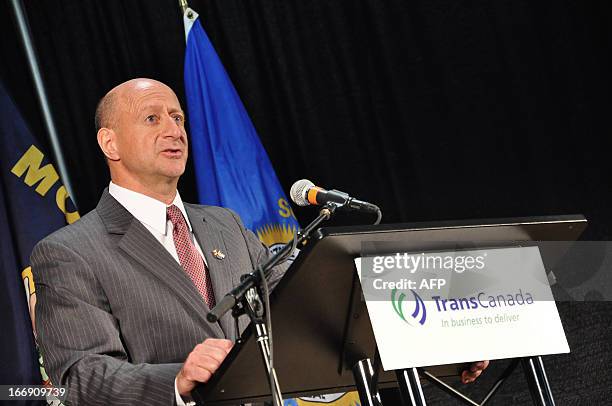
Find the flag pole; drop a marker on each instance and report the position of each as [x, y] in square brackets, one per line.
[28, 45]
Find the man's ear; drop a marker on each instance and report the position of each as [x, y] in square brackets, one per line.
[107, 140]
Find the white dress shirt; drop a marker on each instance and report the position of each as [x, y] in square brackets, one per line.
[152, 214]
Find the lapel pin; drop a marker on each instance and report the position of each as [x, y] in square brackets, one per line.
[218, 254]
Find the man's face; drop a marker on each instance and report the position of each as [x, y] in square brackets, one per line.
[150, 133]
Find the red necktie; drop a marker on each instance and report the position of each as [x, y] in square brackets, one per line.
[189, 257]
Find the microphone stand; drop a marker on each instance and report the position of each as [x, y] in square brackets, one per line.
[246, 297]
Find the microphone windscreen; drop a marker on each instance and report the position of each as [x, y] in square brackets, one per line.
[299, 191]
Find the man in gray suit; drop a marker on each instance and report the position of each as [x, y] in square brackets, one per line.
[122, 293]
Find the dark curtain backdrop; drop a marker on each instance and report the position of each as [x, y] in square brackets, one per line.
[433, 109]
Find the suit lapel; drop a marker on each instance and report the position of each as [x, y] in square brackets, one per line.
[210, 238]
[141, 245]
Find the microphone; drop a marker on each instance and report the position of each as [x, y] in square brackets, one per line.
[304, 193]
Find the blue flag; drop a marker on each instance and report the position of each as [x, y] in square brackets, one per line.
[232, 167]
[33, 203]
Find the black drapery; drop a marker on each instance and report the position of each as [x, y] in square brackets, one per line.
[432, 109]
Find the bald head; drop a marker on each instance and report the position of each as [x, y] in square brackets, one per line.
[141, 131]
[105, 111]
[119, 97]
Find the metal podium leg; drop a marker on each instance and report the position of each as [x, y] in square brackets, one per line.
[410, 387]
[368, 393]
[538, 382]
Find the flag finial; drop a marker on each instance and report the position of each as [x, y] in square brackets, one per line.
[184, 5]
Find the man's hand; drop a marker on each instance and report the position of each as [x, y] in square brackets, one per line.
[470, 375]
[201, 363]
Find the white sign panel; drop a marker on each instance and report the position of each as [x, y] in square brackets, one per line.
[450, 307]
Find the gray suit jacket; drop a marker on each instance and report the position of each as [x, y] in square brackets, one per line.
[116, 315]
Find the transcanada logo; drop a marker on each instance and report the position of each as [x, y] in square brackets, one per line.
[416, 313]
[399, 302]
[483, 300]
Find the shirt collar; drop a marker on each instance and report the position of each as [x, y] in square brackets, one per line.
[147, 210]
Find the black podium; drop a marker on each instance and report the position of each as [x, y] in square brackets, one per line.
[323, 338]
